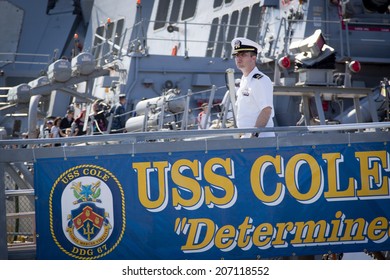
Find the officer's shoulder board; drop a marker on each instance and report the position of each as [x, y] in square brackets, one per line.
[257, 76]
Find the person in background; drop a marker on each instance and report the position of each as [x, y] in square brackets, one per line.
[68, 133]
[24, 136]
[47, 130]
[55, 130]
[66, 122]
[255, 94]
[99, 112]
[78, 124]
[203, 123]
[119, 119]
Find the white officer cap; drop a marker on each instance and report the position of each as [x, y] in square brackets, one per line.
[241, 44]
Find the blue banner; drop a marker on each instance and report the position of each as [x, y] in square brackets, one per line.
[232, 204]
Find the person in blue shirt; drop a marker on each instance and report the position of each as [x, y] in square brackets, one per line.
[119, 119]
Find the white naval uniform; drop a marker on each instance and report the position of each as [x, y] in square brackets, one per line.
[255, 94]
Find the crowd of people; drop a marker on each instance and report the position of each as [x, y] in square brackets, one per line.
[97, 121]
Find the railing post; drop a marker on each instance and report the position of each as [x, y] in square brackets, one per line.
[162, 112]
[184, 122]
[210, 104]
[3, 216]
[110, 119]
[232, 92]
[145, 121]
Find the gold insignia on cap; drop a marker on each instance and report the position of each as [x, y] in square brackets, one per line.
[237, 44]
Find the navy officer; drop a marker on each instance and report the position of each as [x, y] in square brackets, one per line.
[255, 94]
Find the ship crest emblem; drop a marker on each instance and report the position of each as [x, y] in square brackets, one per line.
[88, 219]
[92, 212]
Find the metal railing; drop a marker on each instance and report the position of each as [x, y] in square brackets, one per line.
[19, 219]
[17, 222]
[15, 58]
